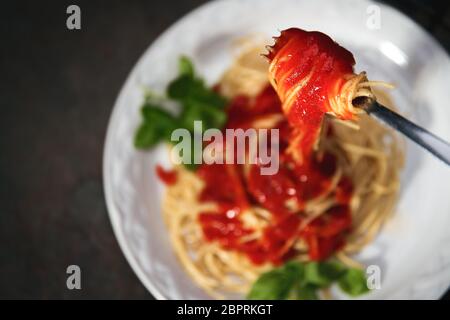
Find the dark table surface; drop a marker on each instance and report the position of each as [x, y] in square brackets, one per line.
[57, 91]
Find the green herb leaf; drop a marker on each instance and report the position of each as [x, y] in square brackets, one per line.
[187, 89]
[203, 95]
[332, 269]
[215, 118]
[146, 136]
[190, 90]
[353, 282]
[307, 292]
[197, 101]
[296, 280]
[314, 276]
[295, 269]
[189, 115]
[302, 289]
[185, 66]
[323, 274]
[272, 285]
[210, 117]
[180, 88]
[162, 121]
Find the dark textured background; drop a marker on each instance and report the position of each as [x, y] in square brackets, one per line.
[57, 91]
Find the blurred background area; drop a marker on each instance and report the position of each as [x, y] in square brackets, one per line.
[57, 91]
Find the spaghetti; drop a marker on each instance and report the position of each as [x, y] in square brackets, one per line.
[228, 224]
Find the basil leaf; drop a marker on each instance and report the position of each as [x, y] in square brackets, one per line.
[307, 292]
[189, 115]
[210, 117]
[303, 290]
[186, 87]
[197, 101]
[295, 269]
[272, 285]
[179, 88]
[332, 270]
[152, 112]
[296, 280]
[323, 274]
[162, 121]
[215, 118]
[353, 282]
[146, 136]
[314, 276]
[200, 94]
[185, 66]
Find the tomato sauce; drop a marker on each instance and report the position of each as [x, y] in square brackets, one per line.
[283, 194]
[169, 177]
[308, 69]
[296, 55]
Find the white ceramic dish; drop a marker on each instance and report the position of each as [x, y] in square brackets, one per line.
[412, 250]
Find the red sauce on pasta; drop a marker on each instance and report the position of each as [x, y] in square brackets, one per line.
[169, 177]
[307, 70]
[283, 195]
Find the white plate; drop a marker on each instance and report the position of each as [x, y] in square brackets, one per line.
[413, 250]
